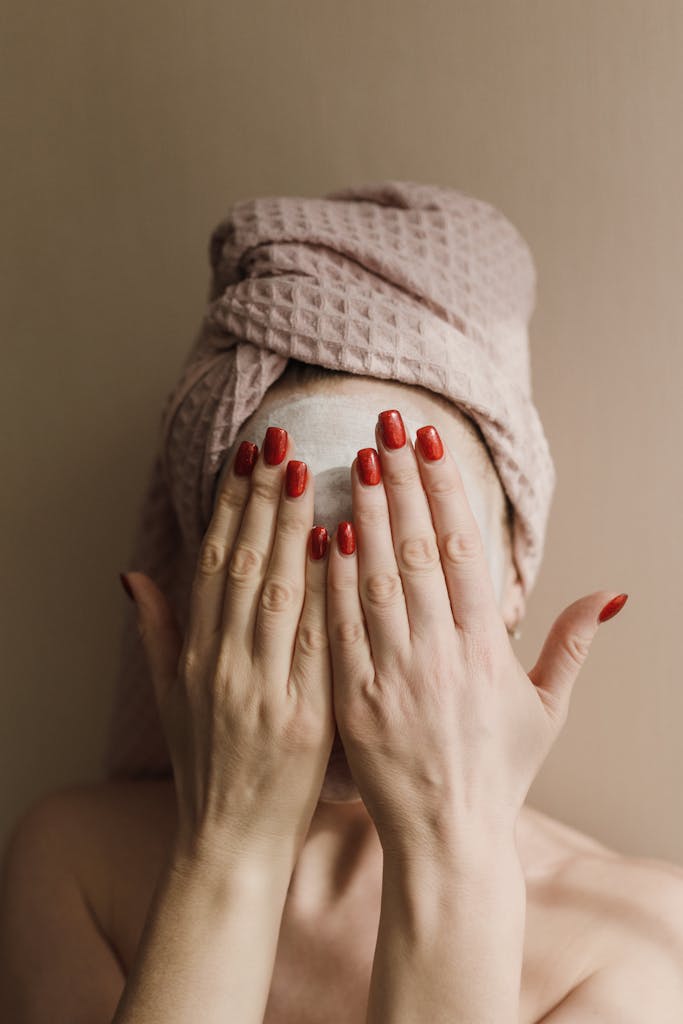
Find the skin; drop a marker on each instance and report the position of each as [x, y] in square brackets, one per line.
[82, 865]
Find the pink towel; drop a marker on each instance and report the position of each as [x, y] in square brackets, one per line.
[396, 280]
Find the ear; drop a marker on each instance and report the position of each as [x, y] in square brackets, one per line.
[513, 608]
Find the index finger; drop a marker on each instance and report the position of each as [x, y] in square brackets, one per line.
[208, 587]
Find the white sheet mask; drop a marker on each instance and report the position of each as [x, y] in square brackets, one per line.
[328, 430]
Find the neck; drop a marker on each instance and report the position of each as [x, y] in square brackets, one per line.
[341, 846]
[342, 854]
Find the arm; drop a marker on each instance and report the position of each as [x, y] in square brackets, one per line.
[451, 935]
[440, 720]
[209, 943]
[246, 705]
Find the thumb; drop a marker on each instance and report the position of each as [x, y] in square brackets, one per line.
[567, 646]
[158, 629]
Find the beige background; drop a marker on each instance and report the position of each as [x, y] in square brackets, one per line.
[127, 131]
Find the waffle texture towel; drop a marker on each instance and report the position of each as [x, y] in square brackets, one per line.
[398, 280]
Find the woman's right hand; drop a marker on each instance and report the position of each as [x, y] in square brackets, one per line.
[245, 699]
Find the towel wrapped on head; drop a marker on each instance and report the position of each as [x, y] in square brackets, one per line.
[421, 284]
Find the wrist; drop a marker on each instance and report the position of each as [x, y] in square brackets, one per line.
[422, 885]
[214, 862]
[456, 842]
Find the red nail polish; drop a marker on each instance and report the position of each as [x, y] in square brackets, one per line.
[368, 466]
[245, 458]
[318, 542]
[295, 478]
[391, 428]
[612, 607]
[346, 538]
[429, 443]
[275, 445]
[126, 585]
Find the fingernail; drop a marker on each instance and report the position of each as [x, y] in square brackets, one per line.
[612, 607]
[245, 458]
[391, 428]
[368, 466]
[126, 585]
[295, 478]
[429, 443]
[346, 538]
[275, 445]
[318, 542]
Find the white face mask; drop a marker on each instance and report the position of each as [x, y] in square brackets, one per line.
[328, 430]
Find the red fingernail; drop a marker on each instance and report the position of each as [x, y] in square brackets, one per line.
[429, 443]
[612, 607]
[318, 542]
[346, 538]
[245, 458]
[126, 585]
[368, 466]
[295, 478]
[391, 428]
[275, 445]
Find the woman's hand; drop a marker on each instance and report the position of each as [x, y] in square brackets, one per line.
[443, 728]
[245, 700]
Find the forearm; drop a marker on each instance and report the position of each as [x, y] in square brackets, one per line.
[209, 943]
[451, 936]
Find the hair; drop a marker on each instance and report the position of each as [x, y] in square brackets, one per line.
[299, 372]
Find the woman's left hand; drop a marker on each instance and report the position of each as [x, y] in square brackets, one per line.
[443, 729]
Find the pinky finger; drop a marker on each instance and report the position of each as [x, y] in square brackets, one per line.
[349, 640]
[311, 669]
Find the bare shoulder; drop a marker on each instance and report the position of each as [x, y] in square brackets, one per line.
[88, 818]
[112, 838]
[604, 936]
[627, 910]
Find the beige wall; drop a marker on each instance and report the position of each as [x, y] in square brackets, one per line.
[128, 129]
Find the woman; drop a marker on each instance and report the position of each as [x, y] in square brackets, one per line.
[352, 741]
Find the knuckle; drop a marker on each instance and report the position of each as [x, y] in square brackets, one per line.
[370, 516]
[349, 633]
[292, 526]
[576, 647]
[462, 547]
[265, 488]
[339, 583]
[279, 595]
[316, 582]
[229, 500]
[212, 558]
[402, 476]
[444, 485]
[419, 553]
[312, 640]
[383, 588]
[245, 565]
